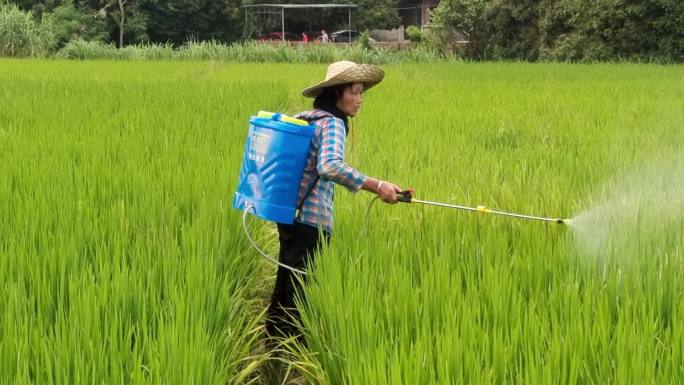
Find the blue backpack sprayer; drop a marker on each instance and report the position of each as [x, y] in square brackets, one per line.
[273, 164]
[272, 167]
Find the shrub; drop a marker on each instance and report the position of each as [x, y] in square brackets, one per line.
[414, 34]
[21, 35]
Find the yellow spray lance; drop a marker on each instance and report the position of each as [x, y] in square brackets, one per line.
[407, 197]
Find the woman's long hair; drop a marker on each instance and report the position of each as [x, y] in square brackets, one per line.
[327, 101]
[329, 97]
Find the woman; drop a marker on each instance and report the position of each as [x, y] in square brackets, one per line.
[337, 98]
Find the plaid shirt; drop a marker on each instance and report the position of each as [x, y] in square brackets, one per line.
[326, 160]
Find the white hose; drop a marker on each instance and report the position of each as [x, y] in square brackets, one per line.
[244, 226]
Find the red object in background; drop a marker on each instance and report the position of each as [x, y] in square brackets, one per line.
[305, 38]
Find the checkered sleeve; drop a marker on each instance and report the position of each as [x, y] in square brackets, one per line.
[330, 162]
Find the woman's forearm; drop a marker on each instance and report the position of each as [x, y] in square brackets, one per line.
[371, 184]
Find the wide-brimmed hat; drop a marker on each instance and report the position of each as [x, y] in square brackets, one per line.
[343, 72]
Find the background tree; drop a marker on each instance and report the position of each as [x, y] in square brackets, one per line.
[72, 21]
[178, 21]
[575, 30]
[375, 14]
[127, 17]
[604, 29]
[454, 18]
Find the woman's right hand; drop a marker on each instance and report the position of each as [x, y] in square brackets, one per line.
[388, 192]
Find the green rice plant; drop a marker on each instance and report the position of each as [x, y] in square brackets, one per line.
[121, 260]
[120, 257]
[435, 296]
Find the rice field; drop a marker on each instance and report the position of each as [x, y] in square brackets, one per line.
[122, 262]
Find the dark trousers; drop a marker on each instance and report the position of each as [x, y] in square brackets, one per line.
[298, 243]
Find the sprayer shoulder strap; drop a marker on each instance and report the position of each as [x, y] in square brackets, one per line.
[308, 192]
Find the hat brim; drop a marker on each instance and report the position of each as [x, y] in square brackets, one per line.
[367, 74]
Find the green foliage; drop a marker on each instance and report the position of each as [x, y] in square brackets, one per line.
[576, 30]
[122, 261]
[86, 49]
[608, 29]
[510, 30]
[364, 41]
[248, 52]
[572, 30]
[22, 35]
[493, 29]
[374, 14]
[129, 21]
[179, 21]
[414, 34]
[174, 21]
[455, 20]
[249, 27]
[70, 21]
[418, 295]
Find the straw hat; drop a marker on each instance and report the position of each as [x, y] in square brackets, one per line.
[343, 72]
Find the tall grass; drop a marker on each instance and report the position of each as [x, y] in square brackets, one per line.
[21, 35]
[248, 52]
[435, 296]
[121, 261]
